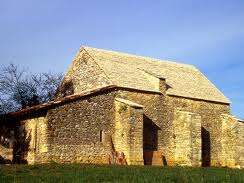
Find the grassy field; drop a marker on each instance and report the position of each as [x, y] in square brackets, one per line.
[89, 173]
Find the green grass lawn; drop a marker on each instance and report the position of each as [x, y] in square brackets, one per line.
[91, 173]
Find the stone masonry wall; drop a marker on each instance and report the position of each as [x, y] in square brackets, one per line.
[228, 138]
[75, 129]
[232, 141]
[84, 74]
[160, 110]
[72, 131]
[240, 144]
[210, 113]
[153, 104]
[128, 137]
[187, 138]
[36, 137]
[154, 110]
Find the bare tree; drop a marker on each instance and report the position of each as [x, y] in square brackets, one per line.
[20, 89]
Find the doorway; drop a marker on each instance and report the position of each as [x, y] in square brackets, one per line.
[206, 147]
[150, 140]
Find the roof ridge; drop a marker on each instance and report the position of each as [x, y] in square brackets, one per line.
[142, 57]
[84, 48]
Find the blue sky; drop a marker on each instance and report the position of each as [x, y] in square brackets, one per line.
[44, 35]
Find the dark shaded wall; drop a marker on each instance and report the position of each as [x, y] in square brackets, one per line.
[7, 140]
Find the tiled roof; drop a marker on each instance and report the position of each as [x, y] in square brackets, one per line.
[69, 98]
[142, 73]
[44, 106]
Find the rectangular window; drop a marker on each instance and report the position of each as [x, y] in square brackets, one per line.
[101, 136]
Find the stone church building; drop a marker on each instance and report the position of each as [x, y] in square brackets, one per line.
[151, 112]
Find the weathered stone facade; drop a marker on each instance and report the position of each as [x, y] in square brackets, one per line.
[36, 137]
[148, 119]
[240, 146]
[210, 113]
[128, 132]
[186, 139]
